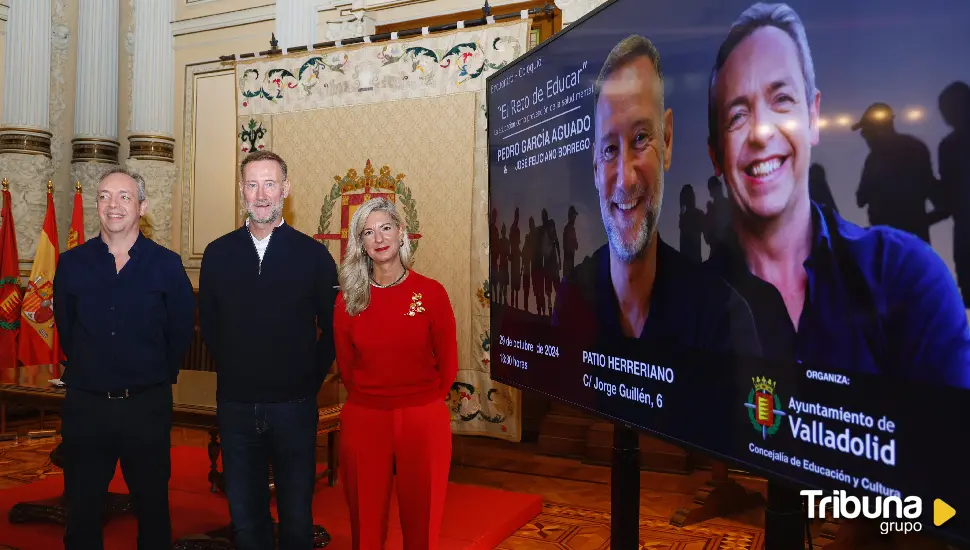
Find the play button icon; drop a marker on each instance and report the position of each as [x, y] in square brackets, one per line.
[942, 512]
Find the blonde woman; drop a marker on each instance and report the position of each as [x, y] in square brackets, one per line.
[397, 352]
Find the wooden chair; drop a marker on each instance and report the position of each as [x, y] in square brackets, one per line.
[329, 424]
[329, 406]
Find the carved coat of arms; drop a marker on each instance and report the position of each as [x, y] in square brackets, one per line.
[353, 190]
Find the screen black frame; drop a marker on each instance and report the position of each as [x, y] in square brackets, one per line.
[732, 462]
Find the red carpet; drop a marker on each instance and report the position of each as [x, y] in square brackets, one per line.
[475, 517]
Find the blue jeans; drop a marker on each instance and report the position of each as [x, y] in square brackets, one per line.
[254, 435]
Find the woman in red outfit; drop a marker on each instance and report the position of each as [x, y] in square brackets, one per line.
[397, 352]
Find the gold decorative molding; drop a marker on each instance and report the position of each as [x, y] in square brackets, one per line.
[151, 147]
[27, 129]
[95, 150]
[157, 137]
[29, 141]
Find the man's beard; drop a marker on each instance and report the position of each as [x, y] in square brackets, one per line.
[629, 251]
[274, 214]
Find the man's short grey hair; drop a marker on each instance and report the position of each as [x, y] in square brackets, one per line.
[139, 180]
[625, 51]
[758, 16]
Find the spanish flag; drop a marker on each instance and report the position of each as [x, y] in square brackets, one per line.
[76, 235]
[9, 286]
[38, 338]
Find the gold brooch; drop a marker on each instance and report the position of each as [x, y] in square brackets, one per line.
[416, 306]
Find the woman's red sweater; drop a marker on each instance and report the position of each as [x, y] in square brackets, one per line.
[402, 350]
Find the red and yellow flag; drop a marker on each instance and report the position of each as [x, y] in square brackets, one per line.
[9, 286]
[38, 337]
[76, 235]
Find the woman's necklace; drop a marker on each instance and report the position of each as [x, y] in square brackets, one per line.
[399, 279]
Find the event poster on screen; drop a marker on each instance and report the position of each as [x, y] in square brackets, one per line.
[745, 228]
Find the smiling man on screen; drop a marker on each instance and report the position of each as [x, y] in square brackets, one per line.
[637, 286]
[823, 290]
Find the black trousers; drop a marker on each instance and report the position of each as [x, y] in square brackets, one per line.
[97, 432]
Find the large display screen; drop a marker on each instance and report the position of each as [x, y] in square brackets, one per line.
[746, 228]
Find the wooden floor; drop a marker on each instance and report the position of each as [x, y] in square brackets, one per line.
[577, 498]
[519, 467]
[584, 491]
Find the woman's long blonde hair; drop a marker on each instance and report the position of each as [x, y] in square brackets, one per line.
[355, 270]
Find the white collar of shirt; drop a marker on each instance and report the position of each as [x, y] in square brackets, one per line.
[261, 244]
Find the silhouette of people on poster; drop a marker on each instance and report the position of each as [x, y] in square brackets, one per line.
[551, 255]
[493, 253]
[515, 260]
[691, 224]
[503, 268]
[818, 187]
[717, 220]
[570, 243]
[954, 159]
[528, 252]
[897, 177]
[538, 272]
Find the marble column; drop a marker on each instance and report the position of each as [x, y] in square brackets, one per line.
[151, 141]
[95, 144]
[575, 9]
[25, 133]
[296, 22]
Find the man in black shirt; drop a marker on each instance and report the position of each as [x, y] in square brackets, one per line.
[264, 291]
[637, 286]
[125, 311]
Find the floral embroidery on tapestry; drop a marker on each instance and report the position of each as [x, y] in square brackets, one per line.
[251, 138]
[483, 294]
[486, 352]
[393, 66]
[467, 405]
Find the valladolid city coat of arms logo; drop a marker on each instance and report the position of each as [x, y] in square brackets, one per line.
[764, 407]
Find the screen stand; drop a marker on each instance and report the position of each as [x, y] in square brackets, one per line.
[625, 488]
[719, 497]
[784, 518]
